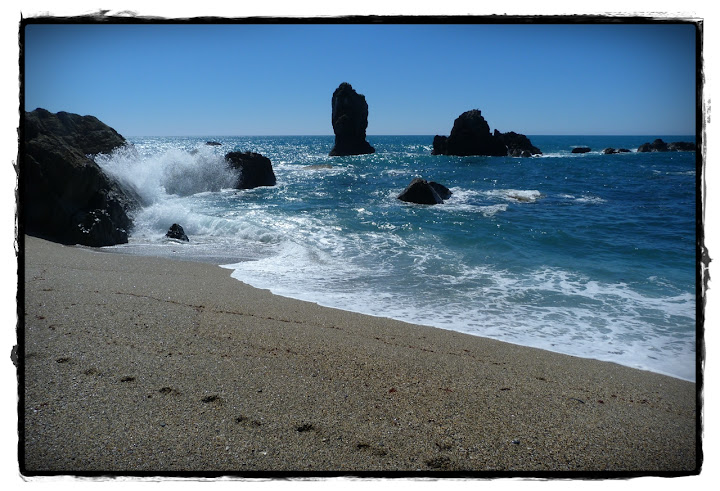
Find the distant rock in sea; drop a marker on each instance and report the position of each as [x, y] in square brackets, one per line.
[255, 169]
[423, 192]
[660, 146]
[682, 147]
[470, 135]
[66, 197]
[610, 150]
[349, 121]
[213, 143]
[176, 232]
[518, 145]
[581, 150]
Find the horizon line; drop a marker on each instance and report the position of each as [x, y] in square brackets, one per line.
[392, 134]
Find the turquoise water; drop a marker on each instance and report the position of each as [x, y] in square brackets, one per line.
[586, 254]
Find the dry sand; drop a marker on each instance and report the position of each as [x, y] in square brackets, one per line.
[135, 364]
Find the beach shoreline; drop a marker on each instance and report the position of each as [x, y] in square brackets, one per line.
[136, 364]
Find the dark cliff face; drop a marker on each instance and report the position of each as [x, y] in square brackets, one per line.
[65, 196]
[349, 121]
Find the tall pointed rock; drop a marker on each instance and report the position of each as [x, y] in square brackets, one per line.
[350, 121]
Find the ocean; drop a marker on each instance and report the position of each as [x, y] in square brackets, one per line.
[590, 255]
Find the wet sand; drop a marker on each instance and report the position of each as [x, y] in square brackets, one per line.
[157, 366]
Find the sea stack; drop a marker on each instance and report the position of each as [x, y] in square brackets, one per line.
[471, 135]
[349, 121]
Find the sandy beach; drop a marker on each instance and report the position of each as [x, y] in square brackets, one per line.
[146, 365]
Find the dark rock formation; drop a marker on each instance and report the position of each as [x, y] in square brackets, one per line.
[255, 169]
[682, 147]
[609, 151]
[425, 193]
[656, 146]
[213, 143]
[441, 190]
[660, 146]
[349, 121]
[440, 145]
[518, 145]
[471, 135]
[176, 232]
[581, 150]
[66, 197]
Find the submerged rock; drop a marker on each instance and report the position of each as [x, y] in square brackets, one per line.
[176, 232]
[471, 135]
[255, 169]
[423, 192]
[66, 196]
[349, 121]
[581, 150]
[213, 143]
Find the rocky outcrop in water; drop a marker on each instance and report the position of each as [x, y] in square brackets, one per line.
[660, 146]
[682, 147]
[177, 232]
[255, 170]
[580, 150]
[423, 192]
[349, 121]
[610, 150]
[65, 195]
[518, 145]
[470, 135]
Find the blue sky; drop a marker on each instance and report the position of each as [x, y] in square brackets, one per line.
[250, 79]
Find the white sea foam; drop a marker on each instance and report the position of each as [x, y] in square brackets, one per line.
[173, 172]
[516, 195]
[549, 308]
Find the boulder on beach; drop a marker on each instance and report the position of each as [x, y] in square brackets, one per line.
[581, 150]
[66, 197]
[470, 135]
[176, 232]
[255, 170]
[349, 122]
[425, 192]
